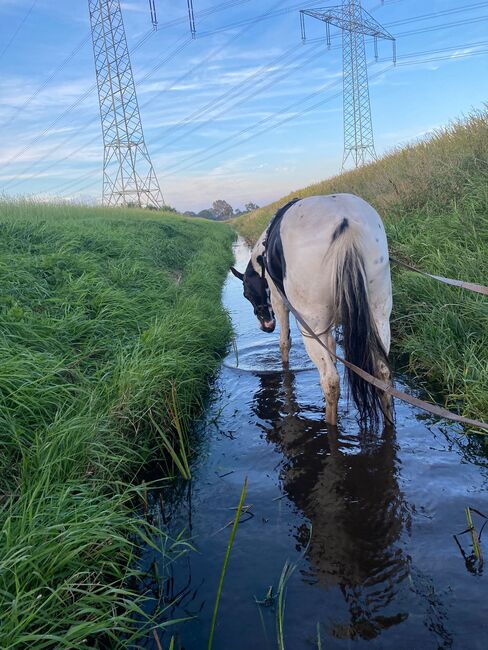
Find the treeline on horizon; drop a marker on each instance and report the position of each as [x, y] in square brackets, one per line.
[222, 211]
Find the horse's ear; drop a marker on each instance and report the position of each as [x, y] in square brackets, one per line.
[238, 275]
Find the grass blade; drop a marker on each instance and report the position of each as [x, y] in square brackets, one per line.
[286, 574]
[226, 561]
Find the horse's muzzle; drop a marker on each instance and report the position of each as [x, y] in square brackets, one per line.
[268, 326]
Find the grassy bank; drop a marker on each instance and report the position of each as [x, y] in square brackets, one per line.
[433, 197]
[110, 327]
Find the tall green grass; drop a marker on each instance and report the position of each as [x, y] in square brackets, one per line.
[433, 197]
[111, 326]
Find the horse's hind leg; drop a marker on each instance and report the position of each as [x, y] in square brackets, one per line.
[283, 315]
[382, 321]
[384, 374]
[329, 377]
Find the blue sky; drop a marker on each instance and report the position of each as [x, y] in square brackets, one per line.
[50, 149]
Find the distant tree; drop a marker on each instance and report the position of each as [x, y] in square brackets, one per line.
[189, 213]
[251, 206]
[206, 214]
[222, 210]
[237, 212]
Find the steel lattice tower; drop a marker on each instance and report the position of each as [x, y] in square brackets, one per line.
[128, 175]
[355, 23]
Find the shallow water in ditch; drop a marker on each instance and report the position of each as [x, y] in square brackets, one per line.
[368, 520]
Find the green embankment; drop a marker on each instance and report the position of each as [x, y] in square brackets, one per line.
[111, 326]
[433, 197]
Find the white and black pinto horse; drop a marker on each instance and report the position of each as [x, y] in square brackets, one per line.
[329, 257]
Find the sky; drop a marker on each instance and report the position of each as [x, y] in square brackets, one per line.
[244, 112]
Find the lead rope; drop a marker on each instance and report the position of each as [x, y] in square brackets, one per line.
[390, 390]
[470, 286]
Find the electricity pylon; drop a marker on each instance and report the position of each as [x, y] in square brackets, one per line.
[355, 23]
[128, 175]
[191, 16]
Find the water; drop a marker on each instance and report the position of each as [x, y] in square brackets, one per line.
[368, 520]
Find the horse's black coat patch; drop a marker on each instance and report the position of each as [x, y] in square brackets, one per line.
[275, 259]
[340, 229]
[253, 287]
[256, 291]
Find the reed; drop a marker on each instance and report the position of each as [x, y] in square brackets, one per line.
[226, 562]
[286, 574]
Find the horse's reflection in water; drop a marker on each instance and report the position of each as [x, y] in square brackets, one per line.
[347, 487]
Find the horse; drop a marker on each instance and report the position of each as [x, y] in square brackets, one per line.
[327, 257]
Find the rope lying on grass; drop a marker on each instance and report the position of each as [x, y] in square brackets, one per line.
[470, 286]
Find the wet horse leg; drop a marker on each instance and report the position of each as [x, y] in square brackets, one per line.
[383, 372]
[329, 377]
[283, 315]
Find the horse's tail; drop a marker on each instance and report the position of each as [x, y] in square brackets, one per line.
[361, 342]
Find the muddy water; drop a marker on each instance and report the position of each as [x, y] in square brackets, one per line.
[367, 520]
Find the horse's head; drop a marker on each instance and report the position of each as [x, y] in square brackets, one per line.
[256, 290]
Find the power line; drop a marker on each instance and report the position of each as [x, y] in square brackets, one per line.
[450, 48]
[269, 14]
[273, 126]
[60, 67]
[452, 57]
[234, 91]
[203, 13]
[176, 168]
[435, 28]
[21, 24]
[214, 52]
[79, 100]
[179, 47]
[89, 122]
[406, 33]
[226, 108]
[261, 122]
[436, 14]
[266, 15]
[91, 141]
[401, 63]
[256, 19]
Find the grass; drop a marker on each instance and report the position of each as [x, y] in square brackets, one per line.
[111, 326]
[286, 574]
[226, 562]
[433, 197]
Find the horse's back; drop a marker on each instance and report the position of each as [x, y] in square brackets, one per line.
[321, 216]
[314, 228]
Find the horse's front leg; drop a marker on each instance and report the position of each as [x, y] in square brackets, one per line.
[283, 315]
